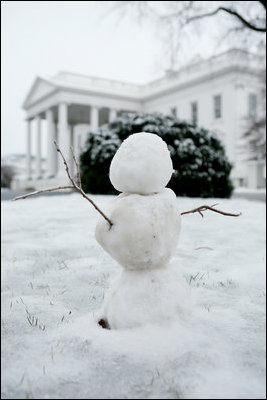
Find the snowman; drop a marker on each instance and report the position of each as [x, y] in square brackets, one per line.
[143, 237]
[141, 233]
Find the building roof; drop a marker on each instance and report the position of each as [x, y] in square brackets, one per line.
[234, 59]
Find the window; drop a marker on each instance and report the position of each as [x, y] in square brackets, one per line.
[174, 111]
[252, 105]
[252, 146]
[241, 182]
[217, 106]
[194, 112]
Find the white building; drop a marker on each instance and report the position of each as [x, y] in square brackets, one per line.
[221, 94]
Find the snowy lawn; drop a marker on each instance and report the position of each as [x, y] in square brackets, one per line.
[55, 275]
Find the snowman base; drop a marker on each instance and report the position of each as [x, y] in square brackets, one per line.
[142, 297]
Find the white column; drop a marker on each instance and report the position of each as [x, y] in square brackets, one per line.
[112, 114]
[38, 147]
[63, 138]
[28, 151]
[51, 149]
[72, 135]
[94, 118]
[79, 144]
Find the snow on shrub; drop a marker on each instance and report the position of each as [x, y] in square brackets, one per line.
[201, 168]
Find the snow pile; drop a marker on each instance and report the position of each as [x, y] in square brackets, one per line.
[140, 298]
[141, 165]
[54, 278]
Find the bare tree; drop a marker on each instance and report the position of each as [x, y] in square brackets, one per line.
[239, 22]
[183, 13]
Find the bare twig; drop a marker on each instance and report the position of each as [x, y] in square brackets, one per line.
[91, 201]
[42, 191]
[73, 186]
[65, 163]
[204, 208]
[77, 168]
[203, 247]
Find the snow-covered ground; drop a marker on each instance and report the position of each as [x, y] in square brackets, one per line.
[55, 275]
[249, 190]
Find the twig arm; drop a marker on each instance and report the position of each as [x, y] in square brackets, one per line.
[42, 191]
[73, 186]
[77, 168]
[65, 163]
[97, 208]
[78, 187]
[204, 208]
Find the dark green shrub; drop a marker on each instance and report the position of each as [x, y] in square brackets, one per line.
[201, 168]
[4, 182]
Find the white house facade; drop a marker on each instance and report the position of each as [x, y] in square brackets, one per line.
[222, 94]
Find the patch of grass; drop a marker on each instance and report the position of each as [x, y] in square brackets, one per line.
[199, 280]
[22, 379]
[196, 278]
[33, 321]
[207, 307]
[227, 283]
[60, 267]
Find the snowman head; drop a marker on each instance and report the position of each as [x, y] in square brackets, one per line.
[141, 165]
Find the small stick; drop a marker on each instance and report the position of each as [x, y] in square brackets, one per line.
[204, 208]
[78, 188]
[73, 186]
[65, 163]
[42, 191]
[98, 209]
[77, 167]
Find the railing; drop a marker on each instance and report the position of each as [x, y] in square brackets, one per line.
[230, 58]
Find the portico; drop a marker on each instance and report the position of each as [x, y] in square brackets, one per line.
[69, 114]
[61, 121]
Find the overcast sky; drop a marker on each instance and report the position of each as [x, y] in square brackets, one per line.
[40, 38]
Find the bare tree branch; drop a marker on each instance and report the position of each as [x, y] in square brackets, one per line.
[229, 11]
[73, 186]
[204, 208]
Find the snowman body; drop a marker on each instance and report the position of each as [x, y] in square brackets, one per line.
[143, 237]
